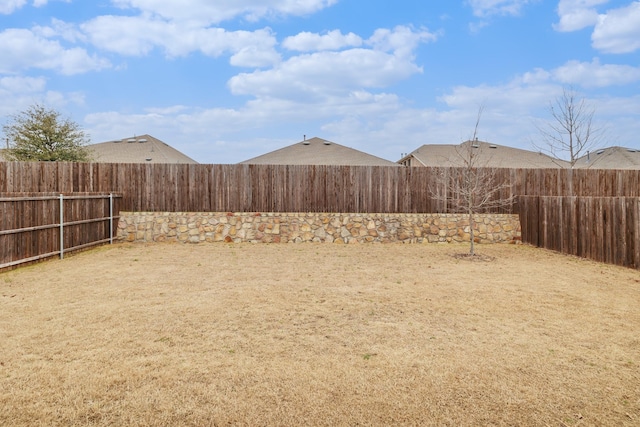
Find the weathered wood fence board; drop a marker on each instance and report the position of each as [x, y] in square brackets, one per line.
[605, 229]
[567, 213]
[264, 188]
[35, 226]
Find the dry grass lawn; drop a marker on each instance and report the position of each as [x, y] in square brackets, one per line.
[216, 334]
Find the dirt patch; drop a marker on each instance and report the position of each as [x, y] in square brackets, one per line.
[473, 257]
[218, 334]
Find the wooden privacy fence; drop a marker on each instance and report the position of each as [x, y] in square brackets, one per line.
[586, 212]
[35, 226]
[299, 188]
[605, 229]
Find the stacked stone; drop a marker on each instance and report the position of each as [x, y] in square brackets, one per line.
[314, 227]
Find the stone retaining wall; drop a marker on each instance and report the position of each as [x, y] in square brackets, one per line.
[314, 227]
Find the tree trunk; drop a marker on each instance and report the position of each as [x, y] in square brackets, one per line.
[471, 239]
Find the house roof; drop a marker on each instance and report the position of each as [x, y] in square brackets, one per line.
[318, 151]
[489, 155]
[611, 158]
[137, 149]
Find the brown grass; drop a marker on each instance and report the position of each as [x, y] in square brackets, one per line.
[170, 334]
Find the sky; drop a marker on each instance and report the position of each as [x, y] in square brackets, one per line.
[227, 80]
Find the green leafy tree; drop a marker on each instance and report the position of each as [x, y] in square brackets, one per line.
[42, 134]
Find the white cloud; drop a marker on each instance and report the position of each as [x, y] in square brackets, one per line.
[249, 48]
[131, 36]
[22, 49]
[207, 11]
[22, 85]
[615, 31]
[515, 98]
[205, 134]
[484, 8]
[528, 95]
[618, 31]
[114, 123]
[137, 36]
[40, 3]
[577, 14]
[475, 27]
[197, 133]
[17, 93]
[311, 42]
[179, 29]
[7, 7]
[307, 88]
[512, 108]
[402, 40]
[60, 100]
[174, 109]
[254, 56]
[536, 76]
[314, 77]
[61, 29]
[594, 74]
[378, 123]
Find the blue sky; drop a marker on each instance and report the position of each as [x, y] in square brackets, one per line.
[227, 80]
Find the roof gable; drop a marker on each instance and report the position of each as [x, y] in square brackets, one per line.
[318, 151]
[137, 149]
[611, 158]
[489, 155]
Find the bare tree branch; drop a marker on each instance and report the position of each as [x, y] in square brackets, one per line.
[570, 133]
[472, 187]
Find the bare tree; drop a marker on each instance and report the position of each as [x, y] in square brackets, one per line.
[471, 187]
[571, 132]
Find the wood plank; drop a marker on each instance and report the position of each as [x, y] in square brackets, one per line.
[30, 224]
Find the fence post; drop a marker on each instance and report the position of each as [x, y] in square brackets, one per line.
[636, 233]
[61, 226]
[111, 218]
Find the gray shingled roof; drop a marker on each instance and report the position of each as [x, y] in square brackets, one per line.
[611, 158]
[137, 149]
[317, 151]
[489, 155]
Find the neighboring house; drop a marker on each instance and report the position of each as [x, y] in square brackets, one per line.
[137, 149]
[611, 158]
[317, 151]
[489, 155]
